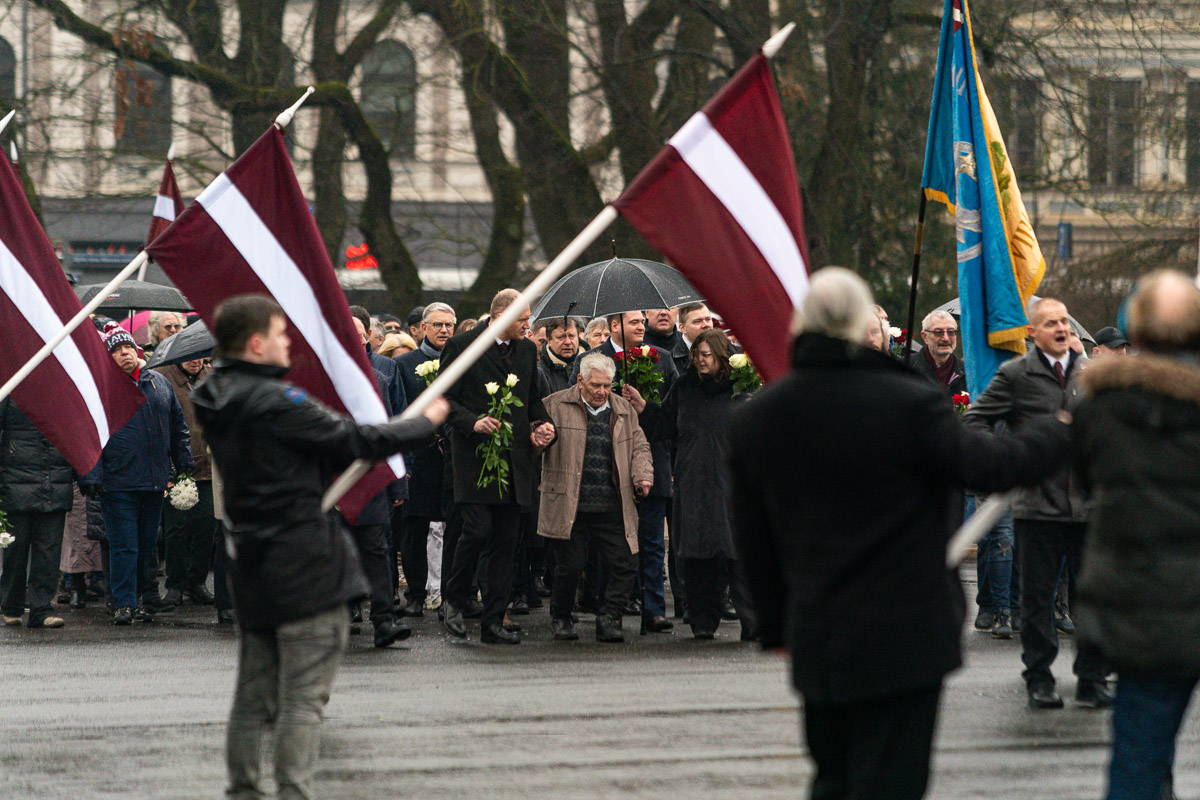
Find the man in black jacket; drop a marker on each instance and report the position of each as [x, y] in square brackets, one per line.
[491, 515]
[558, 353]
[855, 584]
[294, 569]
[936, 360]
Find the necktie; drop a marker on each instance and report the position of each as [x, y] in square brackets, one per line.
[1058, 371]
[506, 354]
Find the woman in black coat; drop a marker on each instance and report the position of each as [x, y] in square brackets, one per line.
[695, 418]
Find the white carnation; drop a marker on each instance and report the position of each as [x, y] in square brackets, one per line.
[184, 494]
[895, 332]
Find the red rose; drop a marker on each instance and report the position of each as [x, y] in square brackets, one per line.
[654, 354]
[619, 356]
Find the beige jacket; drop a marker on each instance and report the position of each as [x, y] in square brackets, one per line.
[562, 467]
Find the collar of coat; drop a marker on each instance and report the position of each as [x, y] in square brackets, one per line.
[429, 350]
[262, 370]
[617, 405]
[1174, 378]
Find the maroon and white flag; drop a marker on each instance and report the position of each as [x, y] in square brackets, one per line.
[722, 203]
[167, 205]
[78, 396]
[253, 232]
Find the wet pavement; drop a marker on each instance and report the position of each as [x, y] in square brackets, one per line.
[97, 712]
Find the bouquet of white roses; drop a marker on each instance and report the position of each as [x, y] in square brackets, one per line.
[495, 468]
[428, 370]
[184, 494]
[745, 377]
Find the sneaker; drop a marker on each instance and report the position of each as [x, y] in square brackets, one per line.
[48, 622]
[1003, 628]
[123, 616]
[985, 620]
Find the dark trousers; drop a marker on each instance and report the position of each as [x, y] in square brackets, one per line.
[490, 532]
[131, 521]
[523, 574]
[1147, 714]
[872, 750]
[30, 571]
[450, 539]
[652, 514]
[222, 593]
[605, 533]
[188, 536]
[414, 539]
[1042, 547]
[675, 567]
[706, 581]
[371, 541]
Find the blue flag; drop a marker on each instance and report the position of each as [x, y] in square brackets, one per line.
[966, 167]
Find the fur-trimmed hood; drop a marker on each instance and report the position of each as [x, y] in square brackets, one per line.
[1168, 377]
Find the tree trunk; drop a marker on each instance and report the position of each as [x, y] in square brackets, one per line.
[329, 194]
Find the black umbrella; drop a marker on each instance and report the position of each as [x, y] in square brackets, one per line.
[137, 294]
[614, 287]
[955, 309]
[191, 343]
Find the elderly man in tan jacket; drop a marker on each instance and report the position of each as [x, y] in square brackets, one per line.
[589, 476]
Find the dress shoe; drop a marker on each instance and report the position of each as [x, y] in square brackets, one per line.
[156, 604]
[656, 624]
[452, 619]
[388, 632]
[1003, 627]
[540, 588]
[518, 607]
[413, 608]
[728, 612]
[48, 622]
[509, 625]
[703, 634]
[534, 601]
[122, 616]
[1064, 624]
[225, 617]
[564, 630]
[1093, 694]
[608, 629]
[633, 608]
[985, 620]
[473, 610]
[174, 597]
[78, 599]
[496, 634]
[143, 614]
[200, 595]
[1042, 695]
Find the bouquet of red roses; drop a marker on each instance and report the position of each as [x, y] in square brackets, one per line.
[639, 368]
[961, 401]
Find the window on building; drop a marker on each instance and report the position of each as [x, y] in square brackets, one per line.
[143, 109]
[1112, 131]
[1191, 132]
[389, 96]
[1018, 110]
[8, 72]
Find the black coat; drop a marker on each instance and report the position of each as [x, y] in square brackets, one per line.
[555, 376]
[277, 450]
[424, 463]
[33, 475]
[1137, 448]
[662, 342]
[660, 450]
[397, 400]
[468, 399]
[958, 373]
[848, 477]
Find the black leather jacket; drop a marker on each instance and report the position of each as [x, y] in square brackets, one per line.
[277, 449]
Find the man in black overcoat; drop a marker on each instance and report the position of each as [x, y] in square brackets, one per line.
[855, 583]
[490, 517]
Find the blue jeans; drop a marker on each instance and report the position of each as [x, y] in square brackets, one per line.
[1147, 714]
[994, 566]
[652, 550]
[131, 522]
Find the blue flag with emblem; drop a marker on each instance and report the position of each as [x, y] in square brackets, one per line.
[966, 167]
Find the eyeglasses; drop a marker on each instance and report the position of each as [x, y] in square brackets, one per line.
[392, 328]
[172, 327]
[447, 325]
[940, 332]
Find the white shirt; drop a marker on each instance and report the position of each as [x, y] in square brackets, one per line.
[501, 342]
[1065, 361]
[686, 342]
[596, 411]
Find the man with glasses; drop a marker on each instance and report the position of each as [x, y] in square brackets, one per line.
[391, 324]
[937, 360]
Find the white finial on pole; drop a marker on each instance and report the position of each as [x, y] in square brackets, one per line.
[775, 42]
[7, 119]
[285, 119]
[12, 149]
[171, 152]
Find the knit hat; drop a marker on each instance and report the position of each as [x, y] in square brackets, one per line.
[115, 336]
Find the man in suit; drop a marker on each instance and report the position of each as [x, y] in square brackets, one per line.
[491, 516]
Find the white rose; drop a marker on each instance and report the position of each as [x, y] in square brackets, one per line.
[492, 388]
[895, 333]
[6, 539]
[512, 381]
[739, 360]
[646, 350]
[427, 367]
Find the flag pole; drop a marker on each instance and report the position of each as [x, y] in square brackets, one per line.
[916, 275]
[48, 348]
[458, 367]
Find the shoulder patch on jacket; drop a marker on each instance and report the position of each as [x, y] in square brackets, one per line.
[295, 394]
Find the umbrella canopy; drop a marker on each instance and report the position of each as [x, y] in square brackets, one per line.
[137, 294]
[955, 309]
[191, 343]
[614, 287]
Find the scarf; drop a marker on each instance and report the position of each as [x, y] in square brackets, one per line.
[946, 371]
[426, 348]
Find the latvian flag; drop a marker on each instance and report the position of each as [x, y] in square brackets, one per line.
[252, 231]
[167, 205]
[78, 396]
[722, 203]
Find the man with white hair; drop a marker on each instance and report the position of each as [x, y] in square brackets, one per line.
[162, 325]
[589, 477]
[859, 592]
[937, 360]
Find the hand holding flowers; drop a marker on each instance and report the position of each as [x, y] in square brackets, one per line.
[743, 374]
[638, 367]
[428, 370]
[500, 434]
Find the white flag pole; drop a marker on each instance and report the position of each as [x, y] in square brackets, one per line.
[75, 322]
[977, 527]
[447, 377]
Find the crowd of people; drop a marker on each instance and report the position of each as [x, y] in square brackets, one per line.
[660, 501]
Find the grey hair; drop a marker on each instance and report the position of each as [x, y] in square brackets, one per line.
[377, 327]
[598, 322]
[154, 323]
[937, 313]
[597, 361]
[838, 305]
[432, 307]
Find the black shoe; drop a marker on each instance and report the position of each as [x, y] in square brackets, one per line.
[1003, 627]
[534, 601]
[509, 625]
[388, 632]
[414, 608]
[1042, 695]
[1064, 624]
[495, 634]
[200, 595]
[633, 608]
[1093, 694]
[564, 630]
[1016, 620]
[473, 610]
[703, 634]
[985, 620]
[680, 609]
[123, 616]
[452, 619]
[518, 607]
[143, 614]
[77, 599]
[225, 617]
[587, 606]
[155, 604]
[608, 629]
[657, 624]
[174, 597]
[728, 612]
[540, 589]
